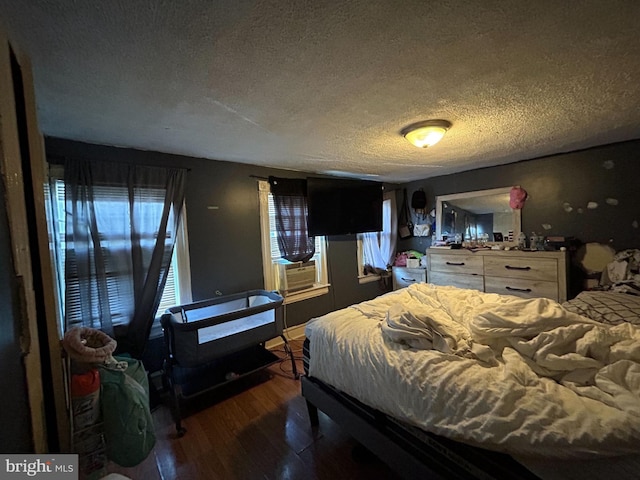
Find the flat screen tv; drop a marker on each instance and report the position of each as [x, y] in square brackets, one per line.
[339, 206]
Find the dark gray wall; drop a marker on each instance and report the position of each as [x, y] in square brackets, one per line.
[225, 241]
[577, 178]
[225, 244]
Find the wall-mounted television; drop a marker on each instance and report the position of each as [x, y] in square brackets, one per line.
[340, 206]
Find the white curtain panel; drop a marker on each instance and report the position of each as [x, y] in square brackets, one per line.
[379, 248]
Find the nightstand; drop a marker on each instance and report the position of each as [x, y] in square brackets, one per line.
[405, 276]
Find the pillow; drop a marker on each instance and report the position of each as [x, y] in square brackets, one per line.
[606, 307]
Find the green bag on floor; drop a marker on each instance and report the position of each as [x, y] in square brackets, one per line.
[128, 426]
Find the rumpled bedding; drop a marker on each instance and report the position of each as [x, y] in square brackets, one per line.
[606, 306]
[521, 376]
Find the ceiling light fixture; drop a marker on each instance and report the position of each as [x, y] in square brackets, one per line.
[427, 133]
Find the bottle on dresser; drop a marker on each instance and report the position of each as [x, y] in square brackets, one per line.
[522, 241]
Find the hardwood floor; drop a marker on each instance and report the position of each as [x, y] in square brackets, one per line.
[254, 428]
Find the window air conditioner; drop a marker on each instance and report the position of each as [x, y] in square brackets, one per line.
[296, 276]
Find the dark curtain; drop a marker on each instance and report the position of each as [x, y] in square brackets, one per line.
[121, 226]
[290, 200]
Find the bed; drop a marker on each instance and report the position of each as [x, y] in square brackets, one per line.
[442, 382]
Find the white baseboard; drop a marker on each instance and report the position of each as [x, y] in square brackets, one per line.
[291, 333]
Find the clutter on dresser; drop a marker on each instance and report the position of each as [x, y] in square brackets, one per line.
[410, 259]
[401, 259]
[557, 242]
[522, 241]
[536, 241]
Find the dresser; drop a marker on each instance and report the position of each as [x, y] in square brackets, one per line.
[512, 272]
[405, 276]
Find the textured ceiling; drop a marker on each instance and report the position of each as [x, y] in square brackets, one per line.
[326, 86]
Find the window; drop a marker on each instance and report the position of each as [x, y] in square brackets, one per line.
[178, 285]
[177, 290]
[271, 253]
[378, 248]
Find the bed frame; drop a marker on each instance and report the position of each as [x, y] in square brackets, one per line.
[408, 450]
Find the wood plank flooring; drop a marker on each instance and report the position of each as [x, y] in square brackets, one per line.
[254, 428]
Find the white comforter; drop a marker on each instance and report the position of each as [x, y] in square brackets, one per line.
[520, 376]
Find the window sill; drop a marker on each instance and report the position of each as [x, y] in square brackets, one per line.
[315, 291]
[362, 279]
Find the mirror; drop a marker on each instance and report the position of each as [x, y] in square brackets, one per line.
[472, 215]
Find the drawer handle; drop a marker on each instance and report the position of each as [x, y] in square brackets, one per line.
[509, 267]
[513, 289]
[407, 279]
[456, 264]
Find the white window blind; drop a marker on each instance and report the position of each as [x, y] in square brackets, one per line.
[170, 295]
[105, 198]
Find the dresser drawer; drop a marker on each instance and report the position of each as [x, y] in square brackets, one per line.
[474, 282]
[521, 287]
[545, 269]
[403, 276]
[451, 263]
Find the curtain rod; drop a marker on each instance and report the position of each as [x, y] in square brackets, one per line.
[59, 160]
